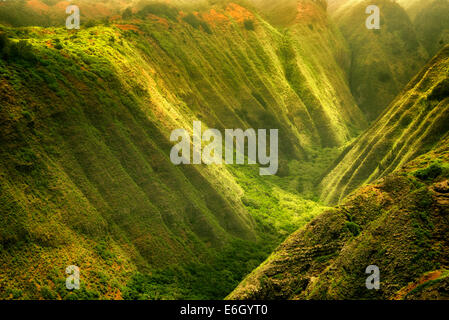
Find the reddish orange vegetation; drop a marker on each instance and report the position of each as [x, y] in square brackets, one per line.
[308, 12]
[118, 295]
[427, 277]
[127, 27]
[37, 5]
[44, 31]
[213, 17]
[115, 17]
[157, 19]
[238, 13]
[49, 44]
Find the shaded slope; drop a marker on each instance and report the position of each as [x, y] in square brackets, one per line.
[85, 173]
[399, 224]
[411, 126]
[432, 25]
[383, 61]
[413, 7]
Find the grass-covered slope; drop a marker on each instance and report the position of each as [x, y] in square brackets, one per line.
[399, 224]
[415, 122]
[383, 61]
[85, 175]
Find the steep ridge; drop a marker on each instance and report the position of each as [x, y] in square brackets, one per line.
[432, 25]
[317, 60]
[415, 122]
[86, 177]
[398, 223]
[383, 61]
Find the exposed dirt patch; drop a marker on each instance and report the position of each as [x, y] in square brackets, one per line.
[425, 278]
[159, 20]
[128, 27]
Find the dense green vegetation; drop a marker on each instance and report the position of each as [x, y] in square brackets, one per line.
[398, 222]
[432, 25]
[212, 280]
[85, 174]
[413, 124]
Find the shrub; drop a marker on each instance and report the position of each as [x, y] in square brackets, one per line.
[354, 228]
[160, 9]
[384, 76]
[48, 294]
[25, 50]
[4, 42]
[249, 25]
[21, 50]
[429, 173]
[27, 115]
[91, 24]
[196, 23]
[192, 20]
[441, 91]
[127, 14]
[283, 169]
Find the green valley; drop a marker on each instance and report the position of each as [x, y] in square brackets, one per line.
[86, 174]
[398, 222]
[87, 180]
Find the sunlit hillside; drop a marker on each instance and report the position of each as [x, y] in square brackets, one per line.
[353, 117]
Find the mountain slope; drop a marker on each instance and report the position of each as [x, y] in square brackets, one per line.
[411, 126]
[398, 224]
[432, 25]
[383, 61]
[85, 175]
[413, 7]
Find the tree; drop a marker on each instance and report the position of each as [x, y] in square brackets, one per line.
[127, 14]
[4, 44]
[249, 24]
